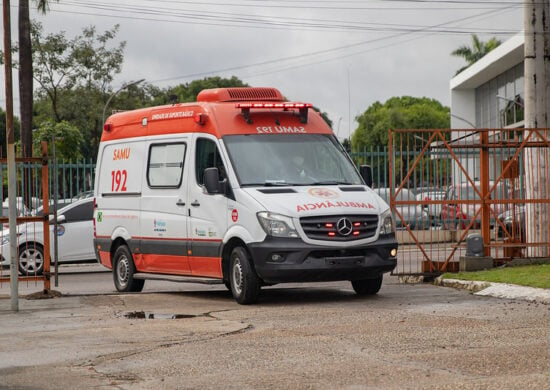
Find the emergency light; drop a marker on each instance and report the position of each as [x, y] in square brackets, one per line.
[246, 107]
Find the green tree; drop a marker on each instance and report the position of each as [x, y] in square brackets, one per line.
[346, 143]
[67, 140]
[474, 53]
[86, 61]
[74, 78]
[404, 112]
[26, 72]
[26, 86]
[3, 132]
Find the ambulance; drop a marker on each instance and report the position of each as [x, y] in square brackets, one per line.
[241, 187]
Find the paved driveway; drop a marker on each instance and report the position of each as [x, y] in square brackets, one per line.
[312, 336]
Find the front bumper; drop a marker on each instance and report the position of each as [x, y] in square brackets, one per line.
[279, 260]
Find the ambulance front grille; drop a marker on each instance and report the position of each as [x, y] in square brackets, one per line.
[340, 227]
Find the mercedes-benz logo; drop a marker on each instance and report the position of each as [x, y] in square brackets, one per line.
[344, 226]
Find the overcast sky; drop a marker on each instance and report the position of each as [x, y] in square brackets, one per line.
[342, 56]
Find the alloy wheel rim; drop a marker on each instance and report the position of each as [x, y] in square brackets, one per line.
[31, 260]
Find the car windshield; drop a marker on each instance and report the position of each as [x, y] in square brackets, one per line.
[290, 159]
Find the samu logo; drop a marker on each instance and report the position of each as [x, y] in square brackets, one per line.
[324, 193]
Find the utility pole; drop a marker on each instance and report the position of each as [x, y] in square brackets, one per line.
[10, 149]
[537, 107]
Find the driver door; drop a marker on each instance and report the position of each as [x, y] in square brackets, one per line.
[208, 213]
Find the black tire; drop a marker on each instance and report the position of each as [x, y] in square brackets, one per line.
[367, 286]
[245, 284]
[227, 284]
[124, 270]
[31, 259]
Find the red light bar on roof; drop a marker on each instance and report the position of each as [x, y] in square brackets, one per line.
[274, 105]
[246, 107]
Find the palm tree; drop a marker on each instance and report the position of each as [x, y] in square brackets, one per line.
[25, 72]
[476, 51]
[25, 82]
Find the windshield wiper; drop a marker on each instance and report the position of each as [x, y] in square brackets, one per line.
[268, 184]
[330, 182]
[282, 183]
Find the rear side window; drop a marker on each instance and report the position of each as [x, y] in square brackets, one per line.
[82, 212]
[165, 166]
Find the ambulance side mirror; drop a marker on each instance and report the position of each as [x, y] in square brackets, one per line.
[211, 182]
[366, 174]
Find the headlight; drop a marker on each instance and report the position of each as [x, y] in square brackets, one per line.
[277, 225]
[388, 224]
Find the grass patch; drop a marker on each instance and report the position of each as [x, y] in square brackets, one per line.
[528, 275]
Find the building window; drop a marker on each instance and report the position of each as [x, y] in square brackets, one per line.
[499, 102]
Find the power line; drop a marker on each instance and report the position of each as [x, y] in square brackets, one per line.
[274, 22]
[259, 21]
[424, 30]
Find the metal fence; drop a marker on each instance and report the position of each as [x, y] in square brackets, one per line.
[32, 183]
[433, 173]
[451, 189]
[67, 179]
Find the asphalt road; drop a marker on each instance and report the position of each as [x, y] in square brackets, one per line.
[312, 336]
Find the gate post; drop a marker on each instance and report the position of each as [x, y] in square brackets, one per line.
[484, 179]
[46, 215]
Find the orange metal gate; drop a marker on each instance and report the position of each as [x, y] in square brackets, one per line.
[449, 187]
[25, 170]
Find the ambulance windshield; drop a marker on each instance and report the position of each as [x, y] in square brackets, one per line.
[290, 159]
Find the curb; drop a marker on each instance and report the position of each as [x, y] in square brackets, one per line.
[498, 290]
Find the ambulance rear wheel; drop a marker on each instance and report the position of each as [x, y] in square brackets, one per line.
[124, 270]
[367, 286]
[245, 284]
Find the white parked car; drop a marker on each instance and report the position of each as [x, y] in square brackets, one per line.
[21, 211]
[75, 235]
[413, 215]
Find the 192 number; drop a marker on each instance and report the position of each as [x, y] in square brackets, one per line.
[118, 182]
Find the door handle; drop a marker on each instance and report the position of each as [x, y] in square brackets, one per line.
[195, 203]
[180, 203]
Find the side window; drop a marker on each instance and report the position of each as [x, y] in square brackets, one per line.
[207, 156]
[165, 165]
[82, 212]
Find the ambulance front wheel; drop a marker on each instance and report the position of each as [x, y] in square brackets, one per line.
[367, 286]
[124, 270]
[245, 284]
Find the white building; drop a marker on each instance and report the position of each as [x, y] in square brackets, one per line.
[488, 95]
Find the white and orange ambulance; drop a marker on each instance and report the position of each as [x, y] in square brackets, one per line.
[240, 187]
